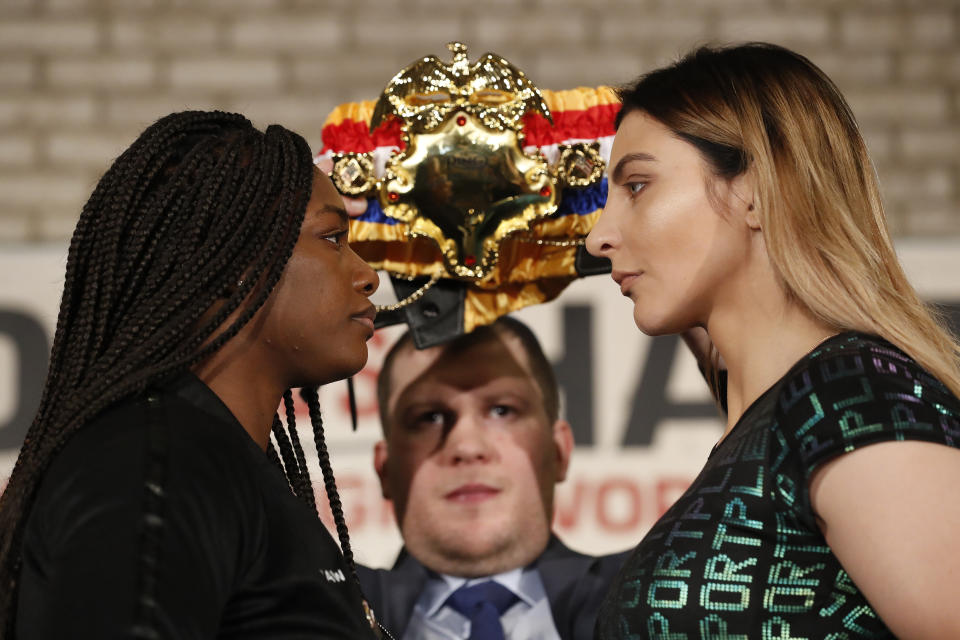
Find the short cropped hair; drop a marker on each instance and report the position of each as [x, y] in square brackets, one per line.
[541, 368]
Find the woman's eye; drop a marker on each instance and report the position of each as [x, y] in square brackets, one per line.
[635, 187]
[336, 238]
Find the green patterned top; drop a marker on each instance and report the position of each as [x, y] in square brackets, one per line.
[739, 556]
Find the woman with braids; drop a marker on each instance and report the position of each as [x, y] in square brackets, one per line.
[208, 275]
[742, 201]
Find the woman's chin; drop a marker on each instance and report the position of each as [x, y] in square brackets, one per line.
[657, 326]
[648, 326]
[342, 371]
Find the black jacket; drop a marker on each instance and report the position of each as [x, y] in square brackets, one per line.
[575, 584]
[163, 516]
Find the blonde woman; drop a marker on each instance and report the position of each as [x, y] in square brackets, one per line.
[742, 200]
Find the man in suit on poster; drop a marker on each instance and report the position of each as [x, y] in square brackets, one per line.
[473, 447]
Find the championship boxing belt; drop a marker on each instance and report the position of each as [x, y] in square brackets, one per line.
[479, 188]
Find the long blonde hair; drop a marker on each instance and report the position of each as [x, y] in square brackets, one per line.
[762, 108]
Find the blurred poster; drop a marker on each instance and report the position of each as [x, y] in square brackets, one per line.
[641, 413]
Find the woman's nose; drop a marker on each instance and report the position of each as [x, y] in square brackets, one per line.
[603, 238]
[366, 279]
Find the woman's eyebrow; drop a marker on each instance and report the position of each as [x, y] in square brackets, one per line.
[617, 173]
[338, 211]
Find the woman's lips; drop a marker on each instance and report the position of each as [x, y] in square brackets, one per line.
[625, 279]
[366, 317]
[367, 322]
[626, 282]
[472, 493]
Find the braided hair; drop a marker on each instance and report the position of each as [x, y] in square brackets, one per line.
[201, 209]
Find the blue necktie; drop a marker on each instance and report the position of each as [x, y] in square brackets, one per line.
[483, 604]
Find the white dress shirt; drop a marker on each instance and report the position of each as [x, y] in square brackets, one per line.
[528, 619]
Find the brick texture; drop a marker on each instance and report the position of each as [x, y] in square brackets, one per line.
[783, 27]
[303, 34]
[17, 150]
[17, 73]
[15, 227]
[128, 33]
[102, 73]
[46, 36]
[80, 78]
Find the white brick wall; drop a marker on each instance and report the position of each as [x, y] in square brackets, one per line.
[392, 28]
[932, 29]
[135, 113]
[80, 78]
[165, 35]
[665, 27]
[880, 144]
[54, 190]
[46, 36]
[15, 227]
[303, 34]
[17, 150]
[102, 72]
[531, 29]
[789, 28]
[905, 104]
[298, 112]
[870, 68]
[604, 66]
[860, 30]
[931, 144]
[934, 67]
[41, 110]
[228, 73]
[936, 217]
[83, 149]
[921, 183]
[17, 73]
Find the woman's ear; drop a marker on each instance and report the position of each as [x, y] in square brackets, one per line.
[743, 198]
[753, 217]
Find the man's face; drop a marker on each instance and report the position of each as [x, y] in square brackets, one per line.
[470, 458]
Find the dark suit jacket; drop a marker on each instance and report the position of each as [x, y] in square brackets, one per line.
[575, 584]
